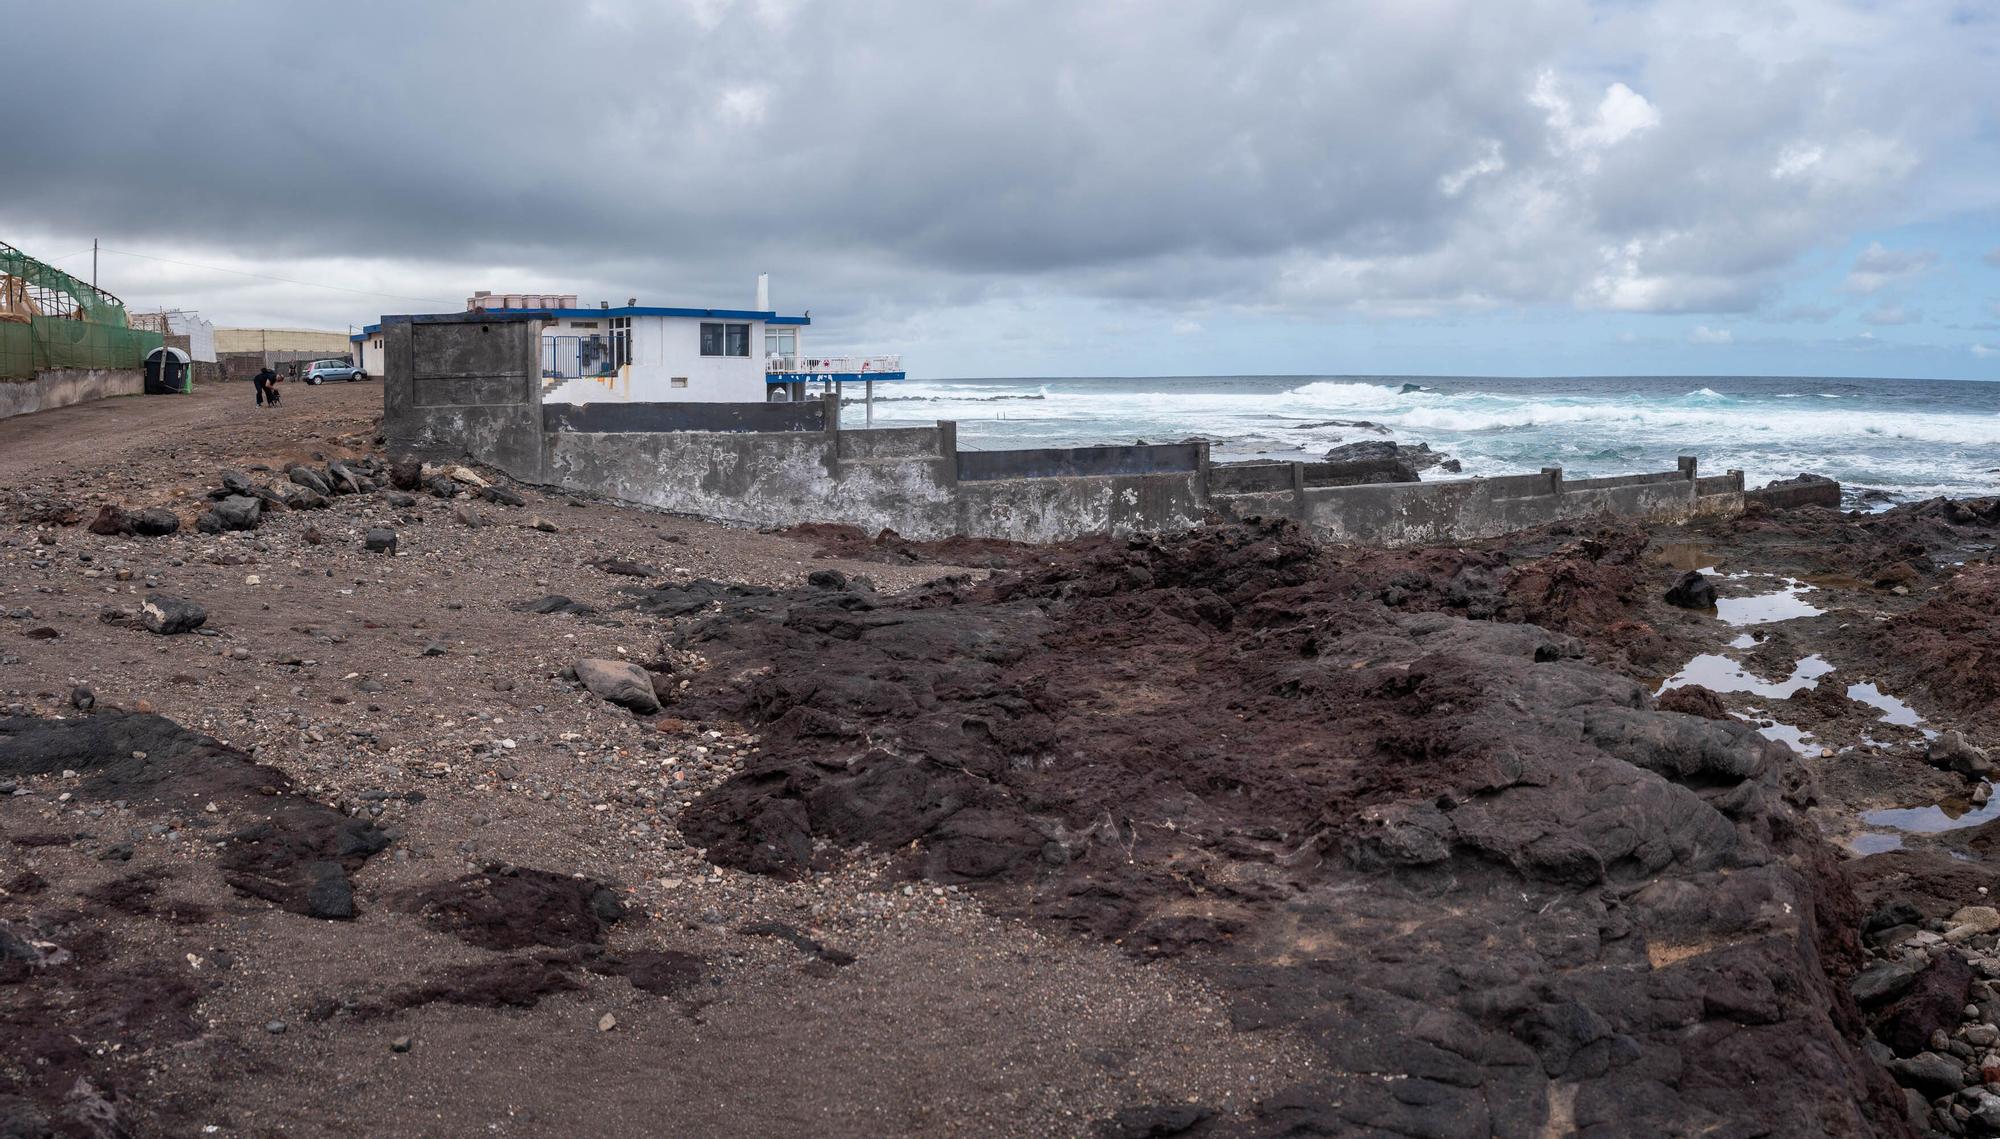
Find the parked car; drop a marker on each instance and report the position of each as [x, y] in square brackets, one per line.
[324, 370]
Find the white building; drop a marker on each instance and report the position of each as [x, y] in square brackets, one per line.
[646, 354]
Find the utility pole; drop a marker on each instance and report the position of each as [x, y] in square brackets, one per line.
[93, 262]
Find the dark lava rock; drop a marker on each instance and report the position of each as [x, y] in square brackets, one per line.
[1500, 874]
[1934, 999]
[310, 479]
[344, 480]
[1166, 1121]
[111, 520]
[1692, 591]
[441, 486]
[554, 603]
[237, 512]
[169, 615]
[155, 522]
[285, 854]
[798, 940]
[1930, 1073]
[511, 907]
[82, 699]
[406, 474]
[623, 568]
[502, 495]
[1414, 456]
[236, 482]
[1883, 981]
[1693, 700]
[399, 501]
[380, 540]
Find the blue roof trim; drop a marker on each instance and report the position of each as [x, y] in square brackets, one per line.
[830, 377]
[367, 330]
[648, 310]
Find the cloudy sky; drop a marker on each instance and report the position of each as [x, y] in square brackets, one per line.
[1061, 187]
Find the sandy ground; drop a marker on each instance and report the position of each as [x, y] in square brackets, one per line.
[405, 689]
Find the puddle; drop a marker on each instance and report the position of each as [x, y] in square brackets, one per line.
[1720, 674]
[1765, 608]
[1689, 556]
[1794, 738]
[1950, 815]
[1744, 641]
[1875, 842]
[1893, 711]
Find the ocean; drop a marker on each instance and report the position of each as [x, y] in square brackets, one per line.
[1911, 438]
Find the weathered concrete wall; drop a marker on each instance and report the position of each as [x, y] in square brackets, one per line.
[1409, 514]
[1055, 462]
[1792, 495]
[809, 415]
[872, 479]
[464, 385]
[66, 386]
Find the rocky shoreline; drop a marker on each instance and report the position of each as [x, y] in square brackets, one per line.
[466, 809]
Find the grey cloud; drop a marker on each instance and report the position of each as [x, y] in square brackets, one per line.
[1876, 267]
[1292, 156]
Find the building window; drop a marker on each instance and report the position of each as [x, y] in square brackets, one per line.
[678, 382]
[725, 339]
[621, 340]
[782, 342]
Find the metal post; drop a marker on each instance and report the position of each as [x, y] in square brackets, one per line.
[870, 392]
[93, 262]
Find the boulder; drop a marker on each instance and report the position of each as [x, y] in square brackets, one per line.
[298, 496]
[169, 615]
[379, 540]
[1953, 752]
[1930, 1073]
[311, 479]
[620, 682]
[1417, 456]
[441, 487]
[155, 522]
[236, 482]
[1692, 591]
[1693, 700]
[111, 520]
[237, 512]
[406, 474]
[343, 479]
[1934, 1000]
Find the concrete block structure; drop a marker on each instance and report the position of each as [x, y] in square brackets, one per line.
[467, 386]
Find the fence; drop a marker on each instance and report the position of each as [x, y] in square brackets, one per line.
[46, 344]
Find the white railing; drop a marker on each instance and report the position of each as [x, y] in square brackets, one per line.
[830, 365]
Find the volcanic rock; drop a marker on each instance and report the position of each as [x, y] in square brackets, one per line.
[110, 520]
[1953, 752]
[1500, 873]
[379, 540]
[237, 512]
[619, 682]
[1692, 591]
[155, 522]
[169, 615]
[406, 474]
[311, 479]
[501, 495]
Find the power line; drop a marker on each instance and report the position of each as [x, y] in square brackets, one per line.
[268, 277]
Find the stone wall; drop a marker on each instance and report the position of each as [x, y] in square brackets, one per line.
[1798, 492]
[66, 386]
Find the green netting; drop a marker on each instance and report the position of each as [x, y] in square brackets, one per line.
[45, 343]
[93, 304]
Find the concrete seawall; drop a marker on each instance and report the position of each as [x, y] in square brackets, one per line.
[467, 385]
[67, 386]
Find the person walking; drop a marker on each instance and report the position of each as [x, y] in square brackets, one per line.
[262, 381]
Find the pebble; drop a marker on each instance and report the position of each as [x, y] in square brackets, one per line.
[275, 1028]
[400, 1044]
[606, 1023]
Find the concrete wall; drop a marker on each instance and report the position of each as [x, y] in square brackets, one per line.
[615, 417]
[1412, 514]
[66, 386]
[465, 384]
